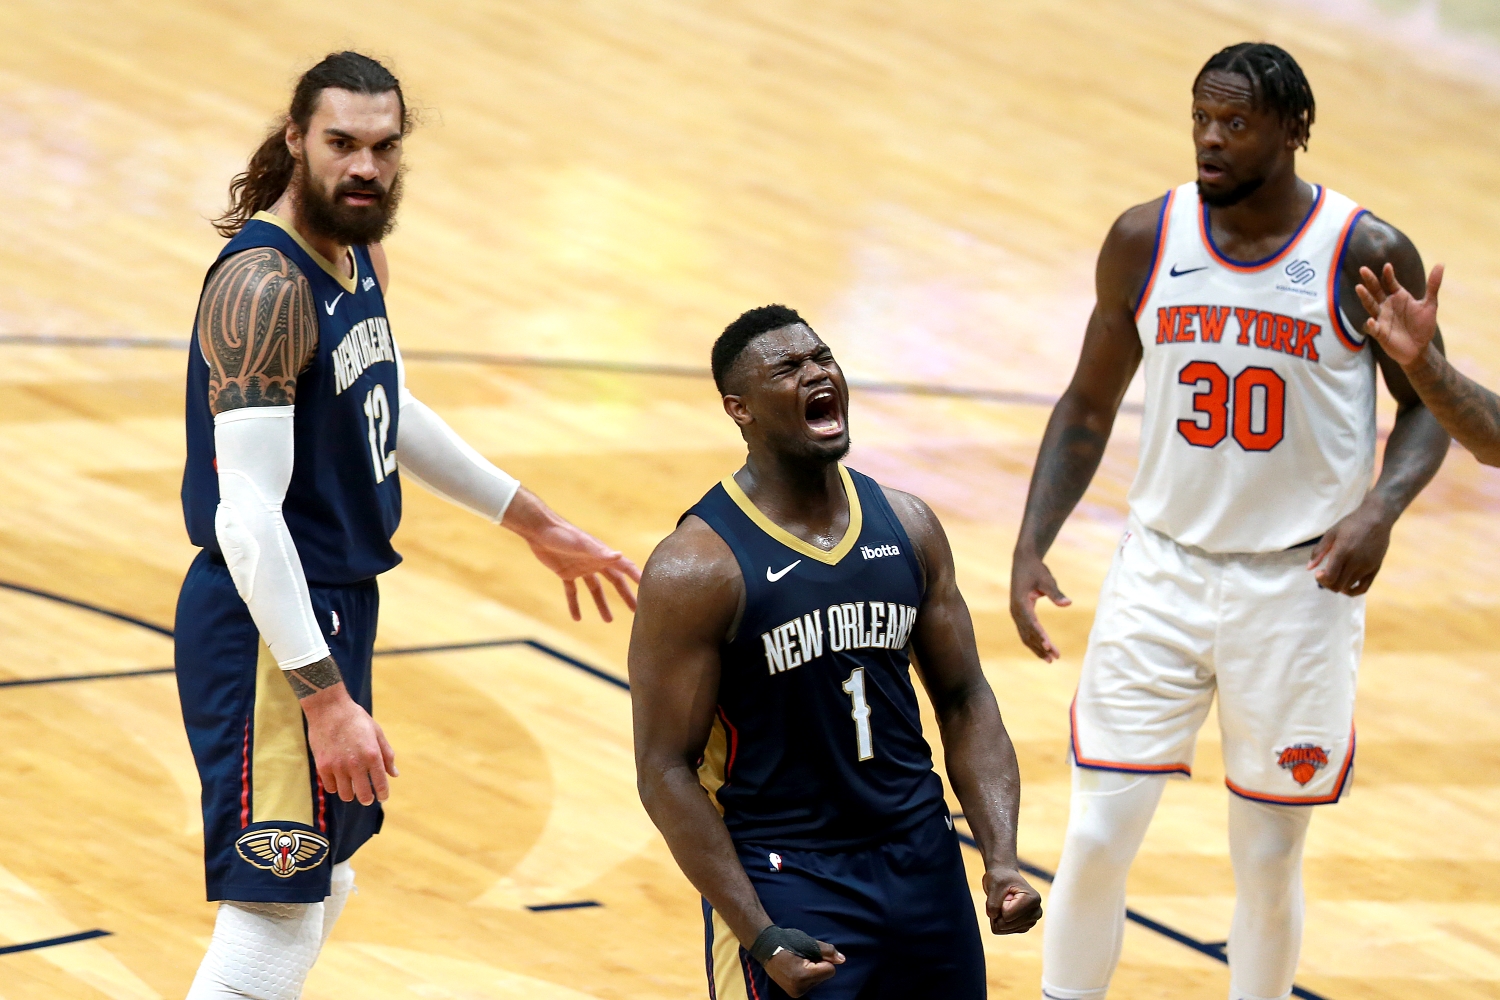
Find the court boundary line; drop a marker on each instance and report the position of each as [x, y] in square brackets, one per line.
[1005, 396]
[1211, 949]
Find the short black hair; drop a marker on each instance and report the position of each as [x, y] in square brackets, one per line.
[737, 335]
[1275, 79]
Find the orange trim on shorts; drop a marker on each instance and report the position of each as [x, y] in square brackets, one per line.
[1259, 265]
[1114, 765]
[1162, 222]
[1290, 800]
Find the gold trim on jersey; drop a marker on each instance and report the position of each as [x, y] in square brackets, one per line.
[280, 781]
[729, 972]
[791, 541]
[715, 757]
[348, 284]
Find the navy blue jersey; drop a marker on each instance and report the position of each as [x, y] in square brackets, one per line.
[344, 502]
[818, 741]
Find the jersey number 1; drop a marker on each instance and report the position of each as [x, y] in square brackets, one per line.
[1212, 401]
[854, 687]
[378, 417]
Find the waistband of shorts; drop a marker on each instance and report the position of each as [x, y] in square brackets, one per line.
[1133, 524]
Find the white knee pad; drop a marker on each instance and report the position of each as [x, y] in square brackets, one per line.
[260, 951]
[338, 894]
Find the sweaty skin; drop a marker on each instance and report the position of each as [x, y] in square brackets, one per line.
[1237, 145]
[692, 597]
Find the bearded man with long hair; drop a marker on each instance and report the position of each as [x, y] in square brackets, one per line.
[296, 405]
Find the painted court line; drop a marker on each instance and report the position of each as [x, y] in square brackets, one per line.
[1212, 949]
[52, 942]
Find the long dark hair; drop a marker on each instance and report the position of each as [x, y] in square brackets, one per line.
[271, 166]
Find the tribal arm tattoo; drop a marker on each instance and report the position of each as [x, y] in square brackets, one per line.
[314, 677]
[258, 327]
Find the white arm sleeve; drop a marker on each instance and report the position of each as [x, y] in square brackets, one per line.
[440, 461]
[254, 449]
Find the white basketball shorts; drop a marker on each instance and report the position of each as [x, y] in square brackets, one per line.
[1176, 624]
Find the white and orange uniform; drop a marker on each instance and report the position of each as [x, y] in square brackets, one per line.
[1258, 436]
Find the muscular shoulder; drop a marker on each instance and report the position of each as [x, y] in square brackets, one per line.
[693, 569]
[258, 328]
[1375, 241]
[922, 527]
[1125, 259]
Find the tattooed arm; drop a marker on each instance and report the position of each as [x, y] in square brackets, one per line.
[258, 330]
[1406, 328]
[1083, 418]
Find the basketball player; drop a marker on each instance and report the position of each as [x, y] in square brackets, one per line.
[778, 741]
[1253, 531]
[296, 404]
[1406, 327]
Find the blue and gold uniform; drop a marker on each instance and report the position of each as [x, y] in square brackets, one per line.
[271, 832]
[817, 761]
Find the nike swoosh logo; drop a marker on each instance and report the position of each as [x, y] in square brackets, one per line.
[329, 306]
[773, 577]
[1177, 274]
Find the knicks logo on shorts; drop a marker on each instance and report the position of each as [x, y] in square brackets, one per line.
[283, 853]
[1304, 760]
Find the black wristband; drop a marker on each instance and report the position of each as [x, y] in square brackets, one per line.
[774, 939]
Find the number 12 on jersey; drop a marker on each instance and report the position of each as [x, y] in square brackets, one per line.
[854, 687]
[378, 417]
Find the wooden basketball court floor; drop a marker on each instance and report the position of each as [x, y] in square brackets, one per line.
[601, 186]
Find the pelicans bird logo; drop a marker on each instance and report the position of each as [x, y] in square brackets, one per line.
[282, 852]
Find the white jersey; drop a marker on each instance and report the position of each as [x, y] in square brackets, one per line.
[1259, 429]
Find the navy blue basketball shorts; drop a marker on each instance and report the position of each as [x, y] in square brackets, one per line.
[271, 833]
[901, 913]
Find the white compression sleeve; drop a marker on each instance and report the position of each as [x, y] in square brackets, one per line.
[1265, 844]
[254, 447]
[441, 462]
[260, 951]
[1107, 820]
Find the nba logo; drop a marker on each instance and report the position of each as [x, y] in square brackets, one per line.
[775, 862]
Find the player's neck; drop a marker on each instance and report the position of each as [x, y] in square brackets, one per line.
[1274, 209]
[289, 208]
[795, 492]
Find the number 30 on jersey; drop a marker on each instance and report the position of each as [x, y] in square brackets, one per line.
[1257, 410]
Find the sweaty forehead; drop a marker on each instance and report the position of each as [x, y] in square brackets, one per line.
[793, 342]
[1219, 87]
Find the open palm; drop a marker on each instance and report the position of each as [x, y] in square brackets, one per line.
[1404, 326]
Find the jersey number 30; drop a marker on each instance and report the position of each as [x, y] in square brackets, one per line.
[1212, 400]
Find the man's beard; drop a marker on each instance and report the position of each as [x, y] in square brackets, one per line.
[1233, 196]
[345, 224]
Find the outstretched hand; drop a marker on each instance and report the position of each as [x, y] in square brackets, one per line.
[1401, 324]
[572, 554]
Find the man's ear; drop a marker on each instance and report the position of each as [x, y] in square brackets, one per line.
[738, 412]
[295, 140]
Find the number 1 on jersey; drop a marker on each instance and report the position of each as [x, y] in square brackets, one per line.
[854, 687]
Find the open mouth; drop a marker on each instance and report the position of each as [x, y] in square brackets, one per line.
[1210, 171]
[824, 414]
